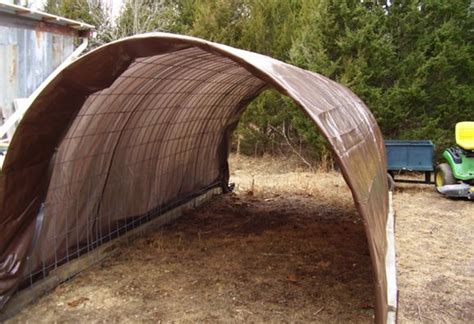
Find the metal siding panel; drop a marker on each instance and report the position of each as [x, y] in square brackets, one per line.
[27, 58]
[8, 78]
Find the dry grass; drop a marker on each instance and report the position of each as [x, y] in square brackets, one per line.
[288, 246]
[290, 178]
[435, 256]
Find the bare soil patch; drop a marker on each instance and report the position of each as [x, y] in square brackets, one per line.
[287, 246]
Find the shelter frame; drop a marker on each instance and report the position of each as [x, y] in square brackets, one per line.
[200, 89]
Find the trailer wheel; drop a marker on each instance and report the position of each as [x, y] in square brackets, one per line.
[391, 182]
[444, 175]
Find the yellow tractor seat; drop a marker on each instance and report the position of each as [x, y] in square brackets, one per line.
[465, 135]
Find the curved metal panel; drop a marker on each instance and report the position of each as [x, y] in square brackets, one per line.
[139, 123]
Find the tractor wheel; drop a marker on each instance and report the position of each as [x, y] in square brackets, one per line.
[444, 175]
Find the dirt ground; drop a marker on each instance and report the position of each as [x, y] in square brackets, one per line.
[287, 246]
[435, 256]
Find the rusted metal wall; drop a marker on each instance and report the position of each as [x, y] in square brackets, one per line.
[28, 54]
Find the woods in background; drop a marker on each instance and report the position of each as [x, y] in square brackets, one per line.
[410, 61]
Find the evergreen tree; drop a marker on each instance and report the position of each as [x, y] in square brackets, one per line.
[434, 68]
[410, 61]
[347, 42]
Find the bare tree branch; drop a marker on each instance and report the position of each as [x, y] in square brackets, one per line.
[291, 145]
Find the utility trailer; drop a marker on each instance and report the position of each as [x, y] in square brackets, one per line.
[411, 156]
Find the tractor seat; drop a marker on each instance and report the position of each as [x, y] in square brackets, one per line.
[465, 135]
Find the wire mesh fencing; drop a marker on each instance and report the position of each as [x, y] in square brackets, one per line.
[148, 143]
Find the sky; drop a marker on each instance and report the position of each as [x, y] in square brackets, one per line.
[113, 6]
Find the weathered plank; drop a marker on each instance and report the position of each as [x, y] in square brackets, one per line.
[390, 264]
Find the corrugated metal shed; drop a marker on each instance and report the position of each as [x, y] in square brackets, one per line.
[32, 45]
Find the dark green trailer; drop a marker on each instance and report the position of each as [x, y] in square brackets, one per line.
[415, 156]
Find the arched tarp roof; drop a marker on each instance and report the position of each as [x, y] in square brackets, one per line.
[140, 123]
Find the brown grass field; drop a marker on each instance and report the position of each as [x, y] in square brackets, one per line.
[287, 246]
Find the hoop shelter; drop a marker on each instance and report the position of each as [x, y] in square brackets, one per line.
[142, 124]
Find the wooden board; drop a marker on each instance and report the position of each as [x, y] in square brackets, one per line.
[390, 264]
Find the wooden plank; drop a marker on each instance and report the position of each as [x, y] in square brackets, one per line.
[50, 19]
[22, 11]
[28, 295]
[74, 25]
[391, 264]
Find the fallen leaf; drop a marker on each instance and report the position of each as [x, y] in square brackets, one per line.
[324, 264]
[292, 278]
[78, 301]
[367, 306]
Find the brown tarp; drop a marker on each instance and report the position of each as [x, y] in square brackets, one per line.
[144, 122]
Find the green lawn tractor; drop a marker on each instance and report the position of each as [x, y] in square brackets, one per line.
[456, 178]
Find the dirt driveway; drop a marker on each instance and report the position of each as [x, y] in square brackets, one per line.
[288, 246]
